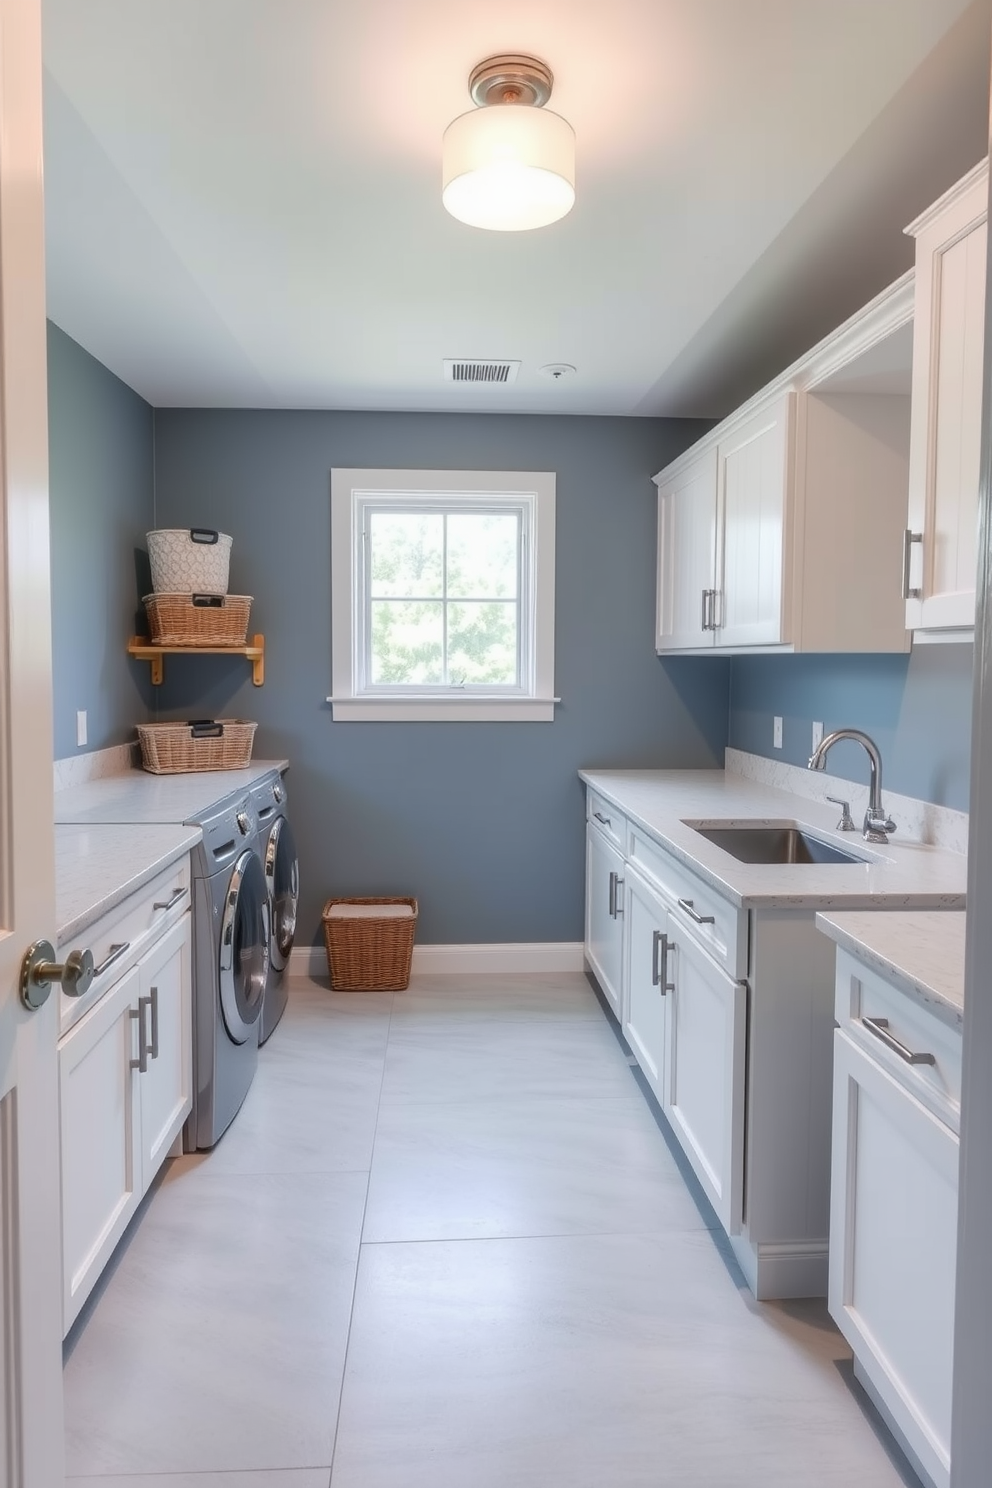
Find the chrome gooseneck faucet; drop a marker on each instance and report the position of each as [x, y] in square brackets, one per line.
[877, 822]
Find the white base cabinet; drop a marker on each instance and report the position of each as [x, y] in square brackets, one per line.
[729, 1014]
[894, 1201]
[125, 1089]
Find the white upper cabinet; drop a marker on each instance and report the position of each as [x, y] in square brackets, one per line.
[942, 532]
[771, 527]
[753, 466]
[687, 556]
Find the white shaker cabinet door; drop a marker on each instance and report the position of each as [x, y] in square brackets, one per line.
[687, 557]
[99, 1115]
[946, 426]
[165, 1031]
[704, 1095]
[604, 915]
[753, 484]
[646, 979]
[893, 1236]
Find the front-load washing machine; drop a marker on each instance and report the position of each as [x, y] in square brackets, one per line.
[282, 881]
[230, 965]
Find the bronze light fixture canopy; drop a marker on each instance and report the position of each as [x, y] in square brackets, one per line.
[509, 163]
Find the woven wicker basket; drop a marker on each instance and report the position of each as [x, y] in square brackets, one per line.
[205, 744]
[198, 619]
[369, 952]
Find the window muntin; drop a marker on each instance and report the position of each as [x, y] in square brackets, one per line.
[444, 596]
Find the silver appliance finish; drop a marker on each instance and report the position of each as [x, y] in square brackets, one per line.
[230, 961]
[282, 878]
[878, 824]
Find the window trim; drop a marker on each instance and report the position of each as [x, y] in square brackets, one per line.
[352, 490]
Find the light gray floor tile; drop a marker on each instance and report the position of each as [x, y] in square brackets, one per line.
[316, 993]
[504, 1061]
[303, 1477]
[627, 1361]
[219, 1341]
[521, 1167]
[446, 999]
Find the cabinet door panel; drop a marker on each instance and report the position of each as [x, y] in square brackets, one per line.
[165, 1086]
[704, 1097]
[645, 1016]
[893, 1237]
[604, 931]
[753, 472]
[98, 1109]
[686, 555]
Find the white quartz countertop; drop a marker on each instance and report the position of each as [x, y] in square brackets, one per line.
[137, 796]
[923, 954]
[96, 867]
[900, 875]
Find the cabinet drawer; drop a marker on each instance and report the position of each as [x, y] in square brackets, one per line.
[716, 924]
[132, 924]
[861, 993]
[611, 822]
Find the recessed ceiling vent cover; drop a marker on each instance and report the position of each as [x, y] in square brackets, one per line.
[480, 371]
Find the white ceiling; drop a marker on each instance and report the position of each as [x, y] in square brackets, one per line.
[243, 196]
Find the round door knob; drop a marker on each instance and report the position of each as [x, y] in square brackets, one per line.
[39, 970]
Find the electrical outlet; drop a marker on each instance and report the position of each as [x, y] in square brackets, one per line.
[817, 735]
[81, 728]
[777, 733]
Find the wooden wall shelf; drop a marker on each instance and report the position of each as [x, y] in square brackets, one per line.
[143, 650]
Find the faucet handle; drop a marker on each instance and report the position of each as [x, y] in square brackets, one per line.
[846, 823]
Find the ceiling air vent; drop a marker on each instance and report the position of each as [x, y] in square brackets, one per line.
[480, 371]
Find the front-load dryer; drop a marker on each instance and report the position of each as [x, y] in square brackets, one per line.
[230, 966]
[282, 880]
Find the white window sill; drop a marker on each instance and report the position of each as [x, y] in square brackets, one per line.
[465, 709]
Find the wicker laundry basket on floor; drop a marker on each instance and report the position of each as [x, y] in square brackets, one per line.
[369, 943]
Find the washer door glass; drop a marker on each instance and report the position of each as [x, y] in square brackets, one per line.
[244, 947]
[282, 877]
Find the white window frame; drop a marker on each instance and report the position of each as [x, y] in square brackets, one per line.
[532, 493]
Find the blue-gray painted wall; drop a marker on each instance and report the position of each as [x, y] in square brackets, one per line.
[100, 493]
[483, 822]
[917, 708]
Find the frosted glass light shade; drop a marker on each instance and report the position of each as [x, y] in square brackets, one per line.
[508, 167]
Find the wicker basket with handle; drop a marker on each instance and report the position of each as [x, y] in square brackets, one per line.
[201, 744]
[369, 943]
[198, 619]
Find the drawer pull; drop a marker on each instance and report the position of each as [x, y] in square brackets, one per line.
[880, 1028]
[693, 914]
[116, 952]
[138, 1014]
[175, 897]
[659, 972]
[601, 818]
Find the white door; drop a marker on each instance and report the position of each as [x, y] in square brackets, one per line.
[754, 473]
[604, 914]
[646, 979]
[893, 1243]
[946, 424]
[31, 1449]
[687, 557]
[704, 1093]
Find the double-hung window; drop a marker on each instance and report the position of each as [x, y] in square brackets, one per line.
[442, 594]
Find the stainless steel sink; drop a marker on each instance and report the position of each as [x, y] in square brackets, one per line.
[776, 845]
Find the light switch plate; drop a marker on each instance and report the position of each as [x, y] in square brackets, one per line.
[817, 735]
[777, 733]
[81, 728]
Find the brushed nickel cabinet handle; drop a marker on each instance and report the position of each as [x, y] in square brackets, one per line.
[659, 970]
[909, 538]
[138, 1014]
[153, 1002]
[693, 914]
[116, 952]
[601, 818]
[174, 898]
[880, 1028]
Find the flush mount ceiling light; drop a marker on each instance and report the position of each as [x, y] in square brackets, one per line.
[509, 164]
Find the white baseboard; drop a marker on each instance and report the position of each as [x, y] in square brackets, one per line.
[782, 1269]
[501, 958]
